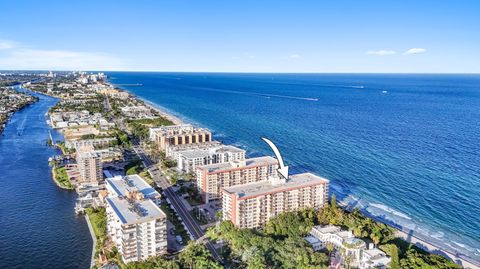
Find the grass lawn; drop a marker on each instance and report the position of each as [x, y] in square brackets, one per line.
[98, 219]
[61, 177]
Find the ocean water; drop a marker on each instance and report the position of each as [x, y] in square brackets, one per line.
[38, 225]
[404, 148]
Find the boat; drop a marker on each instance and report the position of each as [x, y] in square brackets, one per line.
[384, 91]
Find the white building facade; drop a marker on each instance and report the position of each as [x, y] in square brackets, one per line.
[136, 224]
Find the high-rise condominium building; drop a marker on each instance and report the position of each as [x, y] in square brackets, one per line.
[137, 227]
[135, 223]
[89, 164]
[212, 178]
[188, 160]
[251, 205]
[179, 135]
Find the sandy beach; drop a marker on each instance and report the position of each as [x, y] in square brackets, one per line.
[464, 261]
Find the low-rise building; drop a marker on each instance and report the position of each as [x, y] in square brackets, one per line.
[179, 135]
[137, 112]
[96, 142]
[251, 205]
[188, 160]
[354, 251]
[212, 178]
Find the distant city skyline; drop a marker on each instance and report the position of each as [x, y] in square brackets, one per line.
[247, 36]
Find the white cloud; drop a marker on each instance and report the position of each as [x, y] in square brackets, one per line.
[414, 51]
[381, 52]
[25, 58]
[5, 45]
[294, 56]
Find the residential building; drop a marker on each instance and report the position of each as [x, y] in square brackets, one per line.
[359, 256]
[172, 151]
[135, 222]
[188, 160]
[89, 164]
[212, 178]
[96, 142]
[251, 205]
[179, 135]
[123, 186]
[137, 226]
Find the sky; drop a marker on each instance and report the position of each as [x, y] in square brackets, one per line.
[242, 36]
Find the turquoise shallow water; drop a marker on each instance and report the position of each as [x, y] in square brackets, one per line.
[38, 225]
[405, 148]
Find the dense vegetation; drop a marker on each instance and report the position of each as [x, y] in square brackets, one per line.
[140, 127]
[121, 136]
[177, 224]
[255, 249]
[194, 256]
[280, 243]
[93, 106]
[98, 219]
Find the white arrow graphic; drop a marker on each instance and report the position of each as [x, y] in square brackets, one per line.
[283, 170]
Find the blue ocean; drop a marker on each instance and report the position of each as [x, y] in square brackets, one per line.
[404, 148]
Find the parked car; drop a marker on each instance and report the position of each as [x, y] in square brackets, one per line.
[179, 239]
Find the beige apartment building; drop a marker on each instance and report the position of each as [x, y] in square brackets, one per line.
[89, 164]
[179, 135]
[212, 178]
[251, 205]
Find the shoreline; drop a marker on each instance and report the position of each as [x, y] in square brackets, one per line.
[54, 178]
[465, 262]
[3, 124]
[407, 235]
[94, 239]
[162, 111]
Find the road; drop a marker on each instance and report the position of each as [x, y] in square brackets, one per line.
[192, 226]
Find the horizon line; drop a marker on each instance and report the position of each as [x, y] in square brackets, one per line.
[242, 72]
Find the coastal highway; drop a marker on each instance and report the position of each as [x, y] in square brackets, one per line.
[192, 226]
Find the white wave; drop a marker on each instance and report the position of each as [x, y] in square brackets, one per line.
[438, 235]
[391, 210]
[464, 246]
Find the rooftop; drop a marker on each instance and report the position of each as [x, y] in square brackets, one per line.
[133, 212]
[122, 185]
[312, 239]
[259, 161]
[354, 243]
[375, 253]
[327, 228]
[178, 129]
[200, 153]
[265, 186]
